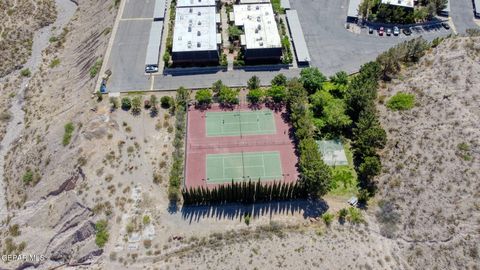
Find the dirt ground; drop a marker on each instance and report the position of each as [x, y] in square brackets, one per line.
[116, 166]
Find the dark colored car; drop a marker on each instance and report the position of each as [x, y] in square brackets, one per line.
[370, 30]
[407, 31]
[445, 25]
[381, 31]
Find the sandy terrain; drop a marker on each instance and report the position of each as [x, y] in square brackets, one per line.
[116, 168]
[430, 189]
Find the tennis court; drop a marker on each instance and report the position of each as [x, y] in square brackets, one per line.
[219, 124]
[332, 152]
[223, 168]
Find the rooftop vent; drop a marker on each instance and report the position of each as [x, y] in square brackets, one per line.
[198, 33]
[190, 10]
[257, 7]
[199, 22]
[189, 29]
[249, 7]
[199, 45]
[199, 13]
[259, 19]
[261, 44]
[189, 44]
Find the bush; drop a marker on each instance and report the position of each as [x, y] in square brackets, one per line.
[255, 96]
[101, 233]
[136, 104]
[95, 68]
[67, 136]
[25, 72]
[355, 216]
[114, 103]
[247, 219]
[126, 103]
[27, 177]
[204, 97]
[327, 218]
[55, 62]
[166, 102]
[279, 80]
[253, 83]
[401, 101]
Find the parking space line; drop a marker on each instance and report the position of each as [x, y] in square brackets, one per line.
[152, 82]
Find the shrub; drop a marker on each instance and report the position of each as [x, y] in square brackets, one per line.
[126, 103]
[95, 68]
[255, 96]
[253, 83]
[101, 233]
[136, 104]
[146, 220]
[27, 177]
[67, 136]
[401, 101]
[25, 72]
[279, 80]
[342, 214]
[55, 62]
[247, 219]
[354, 215]
[166, 102]
[327, 218]
[204, 97]
[114, 103]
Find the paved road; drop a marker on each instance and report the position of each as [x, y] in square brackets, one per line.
[461, 12]
[332, 47]
[138, 9]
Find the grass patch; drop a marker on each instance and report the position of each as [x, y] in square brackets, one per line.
[344, 178]
[67, 136]
[401, 101]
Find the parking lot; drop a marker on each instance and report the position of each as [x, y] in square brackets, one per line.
[333, 48]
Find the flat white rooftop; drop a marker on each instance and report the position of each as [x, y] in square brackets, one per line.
[259, 24]
[195, 3]
[253, 1]
[195, 29]
[401, 3]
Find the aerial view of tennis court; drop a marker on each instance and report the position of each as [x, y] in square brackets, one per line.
[238, 145]
[224, 168]
[240, 123]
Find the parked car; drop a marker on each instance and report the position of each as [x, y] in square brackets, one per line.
[407, 31]
[446, 25]
[370, 30]
[381, 31]
[389, 31]
[396, 31]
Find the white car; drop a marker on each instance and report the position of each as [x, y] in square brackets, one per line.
[396, 31]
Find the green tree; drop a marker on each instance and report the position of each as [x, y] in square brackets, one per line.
[370, 167]
[204, 97]
[277, 93]
[154, 105]
[255, 96]
[253, 83]
[234, 32]
[340, 78]
[368, 134]
[126, 103]
[228, 96]
[330, 113]
[166, 102]
[279, 80]
[217, 86]
[136, 104]
[312, 79]
[182, 97]
[315, 174]
[328, 218]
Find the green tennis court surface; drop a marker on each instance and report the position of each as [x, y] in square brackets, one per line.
[223, 168]
[240, 123]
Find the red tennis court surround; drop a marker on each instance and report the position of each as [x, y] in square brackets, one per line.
[199, 145]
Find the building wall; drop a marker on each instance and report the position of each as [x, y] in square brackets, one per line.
[195, 57]
[263, 55]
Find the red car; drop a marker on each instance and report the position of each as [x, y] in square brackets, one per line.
[381, 31]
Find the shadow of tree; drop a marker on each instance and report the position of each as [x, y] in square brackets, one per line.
[308, 207]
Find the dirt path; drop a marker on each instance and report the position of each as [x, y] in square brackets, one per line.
[66, 9]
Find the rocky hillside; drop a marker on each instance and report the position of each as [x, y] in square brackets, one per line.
[430, 188]
[44, 217]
